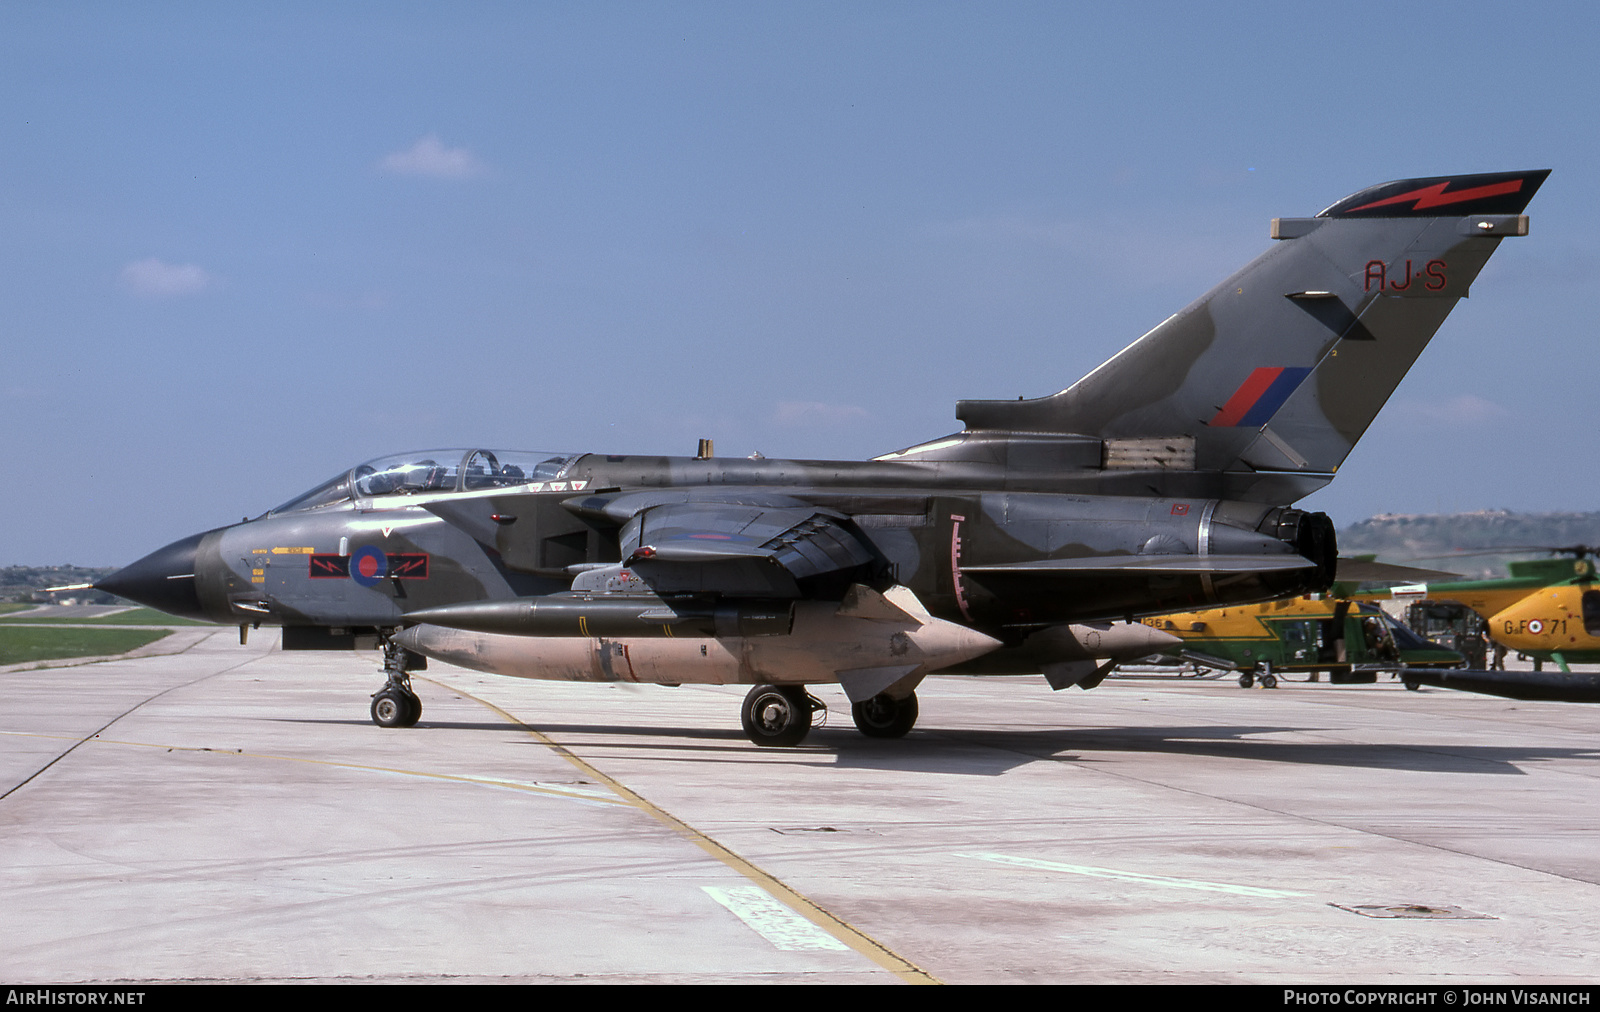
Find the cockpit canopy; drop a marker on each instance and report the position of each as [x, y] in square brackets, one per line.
[432, 472]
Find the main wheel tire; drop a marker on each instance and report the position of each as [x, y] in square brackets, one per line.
[775, 716]
[1269, 681]
[1246, 680]
[885, 717]
[391, 708]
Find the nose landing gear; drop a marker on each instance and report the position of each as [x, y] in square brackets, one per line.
[396, 704]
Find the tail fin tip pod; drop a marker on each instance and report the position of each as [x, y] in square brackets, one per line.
[1283, 366]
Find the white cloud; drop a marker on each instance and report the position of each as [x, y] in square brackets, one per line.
[158, 279]
[429, 157]
[815, 413]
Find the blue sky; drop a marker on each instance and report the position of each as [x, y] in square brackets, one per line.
[243, 247]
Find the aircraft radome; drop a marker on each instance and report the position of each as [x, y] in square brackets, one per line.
[1162, 481]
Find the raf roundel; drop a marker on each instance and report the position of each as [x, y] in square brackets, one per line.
[368, 565]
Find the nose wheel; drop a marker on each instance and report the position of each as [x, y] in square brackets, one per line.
[396, 705]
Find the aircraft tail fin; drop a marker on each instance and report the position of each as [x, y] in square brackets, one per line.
[1280, 369]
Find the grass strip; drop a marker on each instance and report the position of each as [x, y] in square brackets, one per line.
[19, 645]
[135, 616]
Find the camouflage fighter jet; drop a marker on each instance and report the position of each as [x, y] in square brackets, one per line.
[1162, 481]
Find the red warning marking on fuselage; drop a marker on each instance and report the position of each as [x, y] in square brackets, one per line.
[329, 567]
[401, 566]
[955, 565]
[408, 565]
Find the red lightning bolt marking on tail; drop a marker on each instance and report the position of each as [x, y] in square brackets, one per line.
[1434, 196]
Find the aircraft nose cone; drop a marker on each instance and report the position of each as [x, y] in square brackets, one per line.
[163, 580]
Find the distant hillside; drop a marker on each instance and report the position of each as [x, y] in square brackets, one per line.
[1435, 540]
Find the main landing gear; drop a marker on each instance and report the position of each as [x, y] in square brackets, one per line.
[780, 715]
[396, 705]
[884, 716]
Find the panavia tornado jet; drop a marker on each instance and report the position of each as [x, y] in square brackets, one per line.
[1162, 481]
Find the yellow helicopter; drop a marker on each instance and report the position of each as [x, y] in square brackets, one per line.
[1353, 641]
[1548, 609]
